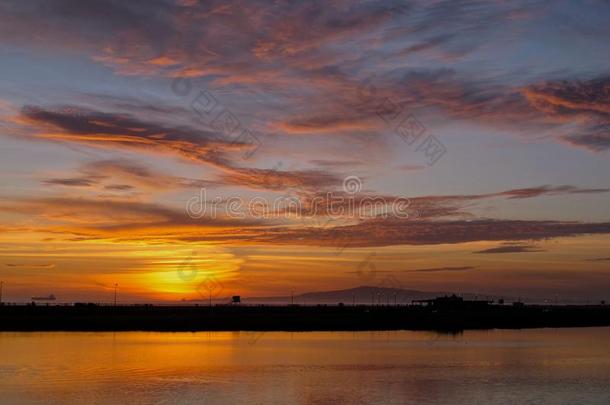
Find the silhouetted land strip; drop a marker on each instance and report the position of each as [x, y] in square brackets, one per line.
[295, 318]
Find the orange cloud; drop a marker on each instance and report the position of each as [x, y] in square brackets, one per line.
[122, 175]
[584, 103]
[86, 219]
[106, 130]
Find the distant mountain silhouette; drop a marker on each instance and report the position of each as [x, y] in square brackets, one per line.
[46, 298]
[366, 295]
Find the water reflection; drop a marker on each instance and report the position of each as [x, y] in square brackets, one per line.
[559, 366]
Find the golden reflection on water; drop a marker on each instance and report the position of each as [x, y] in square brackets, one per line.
[306, 368]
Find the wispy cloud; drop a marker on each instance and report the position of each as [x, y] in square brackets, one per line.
[70, 182]
[453, 205]
[118, 131]
[278, 179]
[30, 266]
[584, 103]
[109, 130]
[388, 232]
[518, 248]
[124, 175]
[441, 269]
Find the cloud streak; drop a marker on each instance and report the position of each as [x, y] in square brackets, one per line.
[441, 269]
[118, 131]
[389, 232]
[30, 266]
[79, 125]
[122, 175]
[511, 249]
[585, 103]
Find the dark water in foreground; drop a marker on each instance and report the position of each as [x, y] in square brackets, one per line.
[491, 367]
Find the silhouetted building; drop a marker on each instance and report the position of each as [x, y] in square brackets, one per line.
[453, 302]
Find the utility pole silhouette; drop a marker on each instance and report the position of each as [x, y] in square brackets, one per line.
[1, 286]
[115, 287]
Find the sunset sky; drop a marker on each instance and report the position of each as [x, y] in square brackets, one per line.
[491, 117]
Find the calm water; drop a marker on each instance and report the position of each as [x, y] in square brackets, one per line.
[532, 366]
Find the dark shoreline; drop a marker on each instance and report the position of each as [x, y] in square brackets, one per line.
[296, 318]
